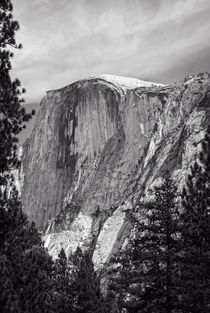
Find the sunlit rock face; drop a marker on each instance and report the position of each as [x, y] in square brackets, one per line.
[96, 145]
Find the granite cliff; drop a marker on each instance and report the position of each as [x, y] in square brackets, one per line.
[96, 144]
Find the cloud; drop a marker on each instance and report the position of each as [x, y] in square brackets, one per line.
[71, 39]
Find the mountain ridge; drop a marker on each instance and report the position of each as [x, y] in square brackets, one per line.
[96, 146]
[123, 81]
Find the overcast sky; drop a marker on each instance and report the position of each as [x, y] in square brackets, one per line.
[66, 40]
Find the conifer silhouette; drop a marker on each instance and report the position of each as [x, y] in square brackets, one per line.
[196, 235]
[147, 280]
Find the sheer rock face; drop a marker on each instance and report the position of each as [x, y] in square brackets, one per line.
[99, 142]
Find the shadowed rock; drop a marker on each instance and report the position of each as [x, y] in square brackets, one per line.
[96, 144]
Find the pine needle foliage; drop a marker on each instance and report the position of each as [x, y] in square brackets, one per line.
[147, 280]
[13, 115]
[196, 235]
[86, 285]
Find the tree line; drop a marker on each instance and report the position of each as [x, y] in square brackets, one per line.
[30, 281]
[166, 265]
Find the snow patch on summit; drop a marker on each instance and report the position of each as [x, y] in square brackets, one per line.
[125, 82]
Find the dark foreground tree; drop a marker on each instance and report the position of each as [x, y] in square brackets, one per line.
[12, 115]
[148, 268]
[25, 266]
[62, 284]
[87, 297]
[196, 235]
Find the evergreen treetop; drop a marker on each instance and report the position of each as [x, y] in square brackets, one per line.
[195, 250]
[12, 115]
[147, 278]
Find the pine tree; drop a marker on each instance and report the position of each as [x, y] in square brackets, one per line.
[196, 235]
[25, 266]
[12, 115]
[34, 281]
[87, 297]
[148, 267]
[62, 284]
[9, 300]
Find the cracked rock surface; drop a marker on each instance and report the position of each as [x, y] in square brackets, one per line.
[96, 144]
